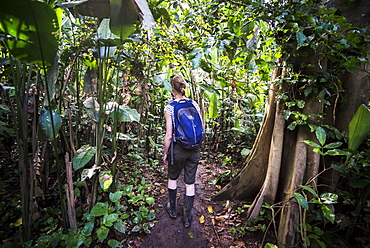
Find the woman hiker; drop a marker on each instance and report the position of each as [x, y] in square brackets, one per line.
[182, 159]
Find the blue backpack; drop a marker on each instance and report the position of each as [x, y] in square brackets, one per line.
[188, 128]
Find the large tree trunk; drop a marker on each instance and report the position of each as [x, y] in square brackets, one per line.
[288, 158]
[300, 164]
[250, 179]
[356, 85]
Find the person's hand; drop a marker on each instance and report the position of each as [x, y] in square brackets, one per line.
[164, 159]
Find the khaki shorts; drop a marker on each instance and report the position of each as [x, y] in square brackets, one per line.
[186, 160]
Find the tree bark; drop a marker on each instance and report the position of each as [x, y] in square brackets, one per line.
[248, 182]
[300, 164]
[356, 85]
[268, 191]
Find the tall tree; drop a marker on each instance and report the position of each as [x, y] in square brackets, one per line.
[303, 102]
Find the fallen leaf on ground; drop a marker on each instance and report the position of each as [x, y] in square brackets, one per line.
[201, 219]
[210, 209]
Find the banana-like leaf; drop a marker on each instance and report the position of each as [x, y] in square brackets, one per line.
[359, 127]
[83, 156]
[123, 17]
[34, 27]
[94, 8]
[126, 114]
[106, 37]
[146, 16]
[123, 14]
[48, 120]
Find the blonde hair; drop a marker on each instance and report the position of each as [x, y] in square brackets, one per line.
[178, 83]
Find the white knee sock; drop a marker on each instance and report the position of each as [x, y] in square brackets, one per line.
[172, 184]
[190, 189]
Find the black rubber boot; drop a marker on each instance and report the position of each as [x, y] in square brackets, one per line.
[171, 205]
[188, 205]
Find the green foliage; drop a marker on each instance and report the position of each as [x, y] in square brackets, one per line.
[83, 155]
[109, 70]
[106, 218]
[359, 127]
[34, 27]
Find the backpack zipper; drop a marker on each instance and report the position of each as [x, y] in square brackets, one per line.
[194, 130]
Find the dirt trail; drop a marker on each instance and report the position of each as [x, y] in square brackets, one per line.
[169, 232]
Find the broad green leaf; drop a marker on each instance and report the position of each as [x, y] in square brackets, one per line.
[114, 243]
[115, 197]
[123, 17]
[318, 231]
[88, 241]
[136, 228]
[310, 20]
[329, 198]
[214, 55]
[213, 109]
[95, 8]
[149, 200]
[109, 219]
[309, 189]
[88, 228]
[321, 135]
[107, 39]
[328, 214]
[47, 122]
[292, 125]
[83, 156]
[104, 32]
[126, 114]
[359, 127]
[105, 180]
[120, 226]
[311, 143]
[321, 243]
[301, 200]
[333, 145]
[313, 236]
[125, 216]
[301, 39]
[34, 27]
[101, 208]
[196, 60]
[337, 152]
[150, 216]
[102, 233]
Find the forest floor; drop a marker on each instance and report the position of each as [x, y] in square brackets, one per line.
[212, 221]
[216, 224]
